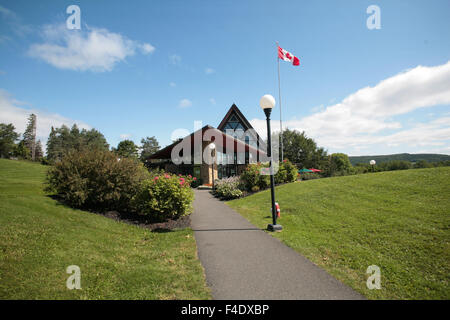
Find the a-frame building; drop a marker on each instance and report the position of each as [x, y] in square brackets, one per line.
[235, 133]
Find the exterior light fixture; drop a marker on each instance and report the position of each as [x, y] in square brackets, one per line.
[212, 147]
[267, 103]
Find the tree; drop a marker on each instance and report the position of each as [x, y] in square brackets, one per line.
[423, 164]
[39, 153]
[302, 151]
[61, 140]
[21, 151]
[127, 148]
[149, 146]
[8, 137]
[339, 164]
[95, 139]
[58, 142]
[29, 136]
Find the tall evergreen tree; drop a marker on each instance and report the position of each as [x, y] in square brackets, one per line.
[29, 136]
[149, 146]
[127, 148]
[39, 154]
[8, 136]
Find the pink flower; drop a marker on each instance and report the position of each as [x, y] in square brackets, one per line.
[195, 178]
[189, 176]
[155, 178]
[166, 176]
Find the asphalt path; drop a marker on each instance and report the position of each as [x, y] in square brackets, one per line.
[243, 262]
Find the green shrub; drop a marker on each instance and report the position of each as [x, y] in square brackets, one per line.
[229, 188]
[255, 189]
[395, 165]
[252, 177]
[95, 179]
[192, 181]
[253, 180]
[165, 196]
[287, 172]
[196, 182]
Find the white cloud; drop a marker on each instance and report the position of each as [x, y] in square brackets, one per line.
[366, 116]
[124, 136]
[147, 48]
[91, 49]
[13, 111]
[175, 59]
[209, 71]
[184, 103]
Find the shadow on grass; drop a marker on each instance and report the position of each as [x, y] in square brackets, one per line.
[230, 229]
[151, 222]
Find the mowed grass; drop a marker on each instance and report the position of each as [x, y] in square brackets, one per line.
[398, 221]
[40, 238]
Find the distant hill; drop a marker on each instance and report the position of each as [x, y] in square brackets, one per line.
[430, 157]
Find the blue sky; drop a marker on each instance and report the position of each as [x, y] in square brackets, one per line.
[146, 68]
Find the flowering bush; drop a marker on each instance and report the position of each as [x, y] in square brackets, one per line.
[252, 177]
[192, 181]
[228, 188]
[165, 196]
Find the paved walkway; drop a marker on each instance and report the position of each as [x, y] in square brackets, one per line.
[244, 262]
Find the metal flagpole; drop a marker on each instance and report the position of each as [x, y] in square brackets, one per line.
[279, 98]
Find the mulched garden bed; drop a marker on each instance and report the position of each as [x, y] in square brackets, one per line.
[145, 222]
[139, 220]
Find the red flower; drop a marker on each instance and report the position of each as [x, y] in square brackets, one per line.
[195, 178]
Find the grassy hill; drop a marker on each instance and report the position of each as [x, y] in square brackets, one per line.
[399, 221]
[40, 238]
[430, 157]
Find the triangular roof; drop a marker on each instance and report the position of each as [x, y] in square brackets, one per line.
[224, 141]
[234, 112]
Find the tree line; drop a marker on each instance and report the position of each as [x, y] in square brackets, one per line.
[64, 139]
[306, 154]
[25, 148]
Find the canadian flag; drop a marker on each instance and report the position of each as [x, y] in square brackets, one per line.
[287, 56]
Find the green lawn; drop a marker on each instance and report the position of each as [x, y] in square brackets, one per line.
[40, 238]
[398, 221]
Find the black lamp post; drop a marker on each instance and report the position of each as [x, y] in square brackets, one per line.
[267, 102]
